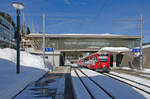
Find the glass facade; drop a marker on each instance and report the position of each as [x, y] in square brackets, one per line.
[6, 32]
[84, 43]
[75, 46]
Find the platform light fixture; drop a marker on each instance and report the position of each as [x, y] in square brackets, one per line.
[18, 7]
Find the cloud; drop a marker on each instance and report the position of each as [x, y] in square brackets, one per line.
[67, 2]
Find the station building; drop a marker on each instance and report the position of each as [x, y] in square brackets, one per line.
[74, 46]
[6, 32]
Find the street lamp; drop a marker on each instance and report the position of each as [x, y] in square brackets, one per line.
[141, 39]
[18, 7]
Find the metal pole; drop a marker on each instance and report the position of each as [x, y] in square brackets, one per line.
[53, 57]
[44, 39]
[18, 41]
[141, 38]
[10, 37]
[23, 25]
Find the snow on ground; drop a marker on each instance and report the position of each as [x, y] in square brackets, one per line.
[134, 78]
[117, 89]
[97, 92]
[74, 65]
[32, 68]
[144, 70]
[138, 79]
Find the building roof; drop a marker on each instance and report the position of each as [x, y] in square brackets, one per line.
[115, 49]
[107, 35]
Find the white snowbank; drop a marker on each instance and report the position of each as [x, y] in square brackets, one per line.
[26, 59]
[115, 49]
[32, 68]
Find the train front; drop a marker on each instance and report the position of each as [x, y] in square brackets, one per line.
[104, 62]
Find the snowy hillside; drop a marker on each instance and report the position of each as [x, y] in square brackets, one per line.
[32, 68]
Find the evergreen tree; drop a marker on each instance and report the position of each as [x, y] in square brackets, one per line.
[28, 31]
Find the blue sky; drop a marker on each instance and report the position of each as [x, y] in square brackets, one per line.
[85, 16]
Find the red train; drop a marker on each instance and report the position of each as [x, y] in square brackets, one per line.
[99, 61]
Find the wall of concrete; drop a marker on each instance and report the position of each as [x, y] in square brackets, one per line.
[146, 60]
[54, 58]
[131, 60]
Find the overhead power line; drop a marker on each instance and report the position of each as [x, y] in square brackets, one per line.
[98, 13]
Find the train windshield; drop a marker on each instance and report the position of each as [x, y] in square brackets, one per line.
[103, 57]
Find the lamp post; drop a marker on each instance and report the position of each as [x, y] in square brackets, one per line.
[44, 39]
[18, 7]
[141, 39]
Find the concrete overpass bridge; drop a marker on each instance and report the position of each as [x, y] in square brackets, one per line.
[73, 46]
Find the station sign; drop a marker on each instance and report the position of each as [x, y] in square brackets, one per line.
[136, 50]
[49, 49]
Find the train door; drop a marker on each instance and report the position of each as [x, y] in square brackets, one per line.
[92, 62]
[86, 62]
[119, 59]
[62, 59]
[111, 60]
[96, 62]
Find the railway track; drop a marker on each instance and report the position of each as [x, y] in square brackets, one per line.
[94, 82]
[130, 80]
[137, 85]
[133, 72]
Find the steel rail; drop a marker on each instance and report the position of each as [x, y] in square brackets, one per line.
[84, 85]
[97, 84]
[130, 80]
[126, 83]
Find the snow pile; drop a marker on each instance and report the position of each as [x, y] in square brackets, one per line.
[8, 54]
[32, 68]
[115, 49]
[26, 59]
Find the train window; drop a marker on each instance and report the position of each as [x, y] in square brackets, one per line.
[103, 57]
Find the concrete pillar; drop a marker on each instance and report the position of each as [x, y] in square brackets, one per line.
[114, 60]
